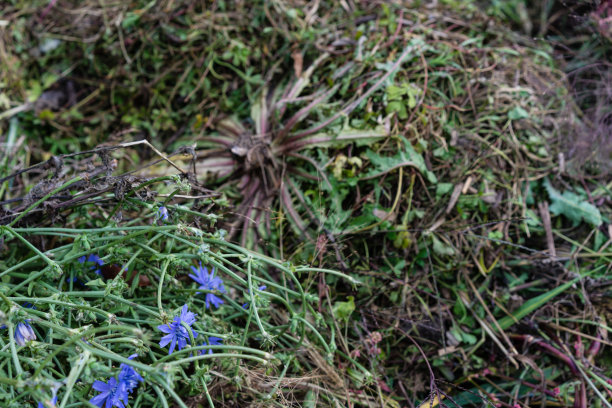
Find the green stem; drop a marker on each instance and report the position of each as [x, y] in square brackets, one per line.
[161, 285]
[13, 348]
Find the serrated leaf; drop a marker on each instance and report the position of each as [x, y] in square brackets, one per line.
[405, 157]
[572, 206]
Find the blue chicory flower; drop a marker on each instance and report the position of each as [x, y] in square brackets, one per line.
[23, 330]
[113, 394]
[129, 376]
[96, 261]
[162, 213]
[212, 341]
[175, 332]
[208, 281]
[53, 401]
[24, 333]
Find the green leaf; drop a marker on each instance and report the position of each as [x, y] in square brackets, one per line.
[259, 112]
[463, 336]
[395, 93]
[98, 283]
[357, 376]
[532, 305]
[444, 188]
[572, 206]
[459, 309]
[342, 310]
[517, 113]
[406, 157]
[412, 91]
[130, 19]
[310, 401]
[396, 97]
[346, 136]
[399, 107]
[440, 248]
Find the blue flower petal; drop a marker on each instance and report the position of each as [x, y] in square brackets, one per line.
[53, 401]
[129, 376]
[209, 282]
[176, 334]
[24, 333]
[113, 394]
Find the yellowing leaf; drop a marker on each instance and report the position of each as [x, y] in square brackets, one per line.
[432, 401]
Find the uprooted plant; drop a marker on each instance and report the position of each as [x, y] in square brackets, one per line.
[262, 161]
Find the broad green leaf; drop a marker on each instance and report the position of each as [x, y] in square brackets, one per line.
[441, 248]
[395, 93]
[342, 310]
[444, 188]
[463, 336]
[572, 206]
[517, 113]
[310, 401]
[399, 107]
[412, 91]
[130, 20]
[396, 96]
[405, 157]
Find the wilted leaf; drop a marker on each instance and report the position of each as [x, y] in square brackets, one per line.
[572, 206]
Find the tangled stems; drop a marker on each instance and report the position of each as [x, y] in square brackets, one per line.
[265, 334]
[150, 370]
[106, 340]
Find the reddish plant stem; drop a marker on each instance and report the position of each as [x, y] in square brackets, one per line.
[550, 350]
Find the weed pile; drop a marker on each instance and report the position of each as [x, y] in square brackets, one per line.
[288, 203]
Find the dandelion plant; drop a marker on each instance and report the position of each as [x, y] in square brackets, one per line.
[263, 161]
